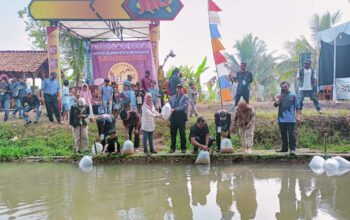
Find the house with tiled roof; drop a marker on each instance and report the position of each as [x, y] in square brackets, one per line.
[16, 64]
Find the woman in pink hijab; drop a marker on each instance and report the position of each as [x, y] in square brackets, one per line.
[85, 93]
[149, 113]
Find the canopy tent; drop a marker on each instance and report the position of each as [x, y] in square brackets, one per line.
[334, 55]
[107, 30]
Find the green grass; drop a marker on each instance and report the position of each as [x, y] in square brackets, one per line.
[42, 140]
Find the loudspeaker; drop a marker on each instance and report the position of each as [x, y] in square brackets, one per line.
[303, 57]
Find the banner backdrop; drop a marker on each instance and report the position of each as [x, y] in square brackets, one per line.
[117, 59]
[343, 88]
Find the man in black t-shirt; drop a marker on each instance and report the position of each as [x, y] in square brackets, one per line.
[132, 122]
[244, 79]
[199, 136]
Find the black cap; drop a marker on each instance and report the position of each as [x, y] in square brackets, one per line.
[123, 115]
[200, 119]
[223, 115]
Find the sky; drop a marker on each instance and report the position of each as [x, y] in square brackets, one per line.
[273, 21]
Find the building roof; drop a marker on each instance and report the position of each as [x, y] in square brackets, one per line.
[22, 61]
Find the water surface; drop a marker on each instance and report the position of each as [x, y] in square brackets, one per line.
[63, 191]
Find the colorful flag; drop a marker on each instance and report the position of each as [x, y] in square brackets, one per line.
[220, 60]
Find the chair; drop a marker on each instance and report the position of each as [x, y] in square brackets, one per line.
[328, 91]
[325, 93]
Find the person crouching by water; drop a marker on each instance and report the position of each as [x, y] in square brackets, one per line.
[112, 145]
[223, 126]
[179, 111]
[199, 136]
[30, 102]
[149, 113]
[288, 105]
[77, 116]
[131, 121]
[245, 121]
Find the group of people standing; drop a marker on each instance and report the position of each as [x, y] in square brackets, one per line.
[139, 104]
[289, 104]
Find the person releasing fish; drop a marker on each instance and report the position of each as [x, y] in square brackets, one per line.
[152, 5]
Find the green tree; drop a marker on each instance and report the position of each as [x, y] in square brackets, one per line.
[36, 30]
[71, 48]
[253, 51]
[72, 53]
[190, 75]
[323, 22]
[289, 65]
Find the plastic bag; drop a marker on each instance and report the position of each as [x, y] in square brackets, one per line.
[203, 157]
[96, 148]
[331, 167]
[128, 148]
[316, 164]
[166, 111]
[342, 162]
[86, 163]
[226, 146]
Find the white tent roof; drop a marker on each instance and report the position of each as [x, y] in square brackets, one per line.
[107, 30]
[340, 33]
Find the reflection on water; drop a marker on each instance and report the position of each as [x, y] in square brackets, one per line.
[54, 191]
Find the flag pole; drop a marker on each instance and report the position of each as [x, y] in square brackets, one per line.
[217, 72]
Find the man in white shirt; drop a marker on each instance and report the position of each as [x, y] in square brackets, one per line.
[307, 81]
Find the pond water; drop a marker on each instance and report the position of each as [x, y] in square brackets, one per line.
[63, 191]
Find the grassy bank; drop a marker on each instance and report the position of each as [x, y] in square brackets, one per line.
[17, 140]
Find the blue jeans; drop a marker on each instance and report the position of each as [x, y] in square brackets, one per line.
[311, 94]
[18, 108]
[147, 135]
[108, 106]
[5, 104]
[27, 109]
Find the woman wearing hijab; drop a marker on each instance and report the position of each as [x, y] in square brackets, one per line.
[85, 93]
[149, 113]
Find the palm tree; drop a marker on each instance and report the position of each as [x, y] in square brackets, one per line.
[323, 22]
[253, 51]
[289, 64]
[287, 69]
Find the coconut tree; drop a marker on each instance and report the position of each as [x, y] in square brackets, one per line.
[287, 69]
[323, 22]
[253, 51]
